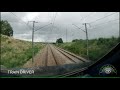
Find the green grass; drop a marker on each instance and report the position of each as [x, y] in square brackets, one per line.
[15, 53]
[97, 47]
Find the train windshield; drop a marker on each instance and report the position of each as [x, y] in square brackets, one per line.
[44, 44]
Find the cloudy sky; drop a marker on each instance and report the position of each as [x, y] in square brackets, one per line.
[99, 24]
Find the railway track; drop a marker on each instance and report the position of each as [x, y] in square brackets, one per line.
[78, 57]
[55, 56]
[71, 55]
[53, 60]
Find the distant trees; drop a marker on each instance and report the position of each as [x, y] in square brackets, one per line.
[59, 40]
[6, 28]
[77, 40]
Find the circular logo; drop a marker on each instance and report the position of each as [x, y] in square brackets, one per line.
[108, 70]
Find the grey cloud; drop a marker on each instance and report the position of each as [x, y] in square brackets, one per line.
[63, 21]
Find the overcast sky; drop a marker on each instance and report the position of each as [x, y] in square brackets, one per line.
[100, 24]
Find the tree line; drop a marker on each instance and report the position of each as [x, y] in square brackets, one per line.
[6, 28]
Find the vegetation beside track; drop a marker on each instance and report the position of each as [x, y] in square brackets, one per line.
[15, 53]
[97, 47]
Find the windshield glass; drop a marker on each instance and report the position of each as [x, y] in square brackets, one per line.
[55, 43]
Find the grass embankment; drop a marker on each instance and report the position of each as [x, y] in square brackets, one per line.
[97, 47]
[15, 53]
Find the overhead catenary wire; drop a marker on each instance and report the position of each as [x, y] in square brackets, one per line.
[103, 17]
[54, 19]
[103, 23]
[79, 27]
[87, 16]
[41, 22]
[24, 23]
[100, 19]
[42, 27]
[95, 28]
[15, 21]
[20, 19]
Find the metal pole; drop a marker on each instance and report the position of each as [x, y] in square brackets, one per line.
[87, 40]
[66, 35]
[33, 37]
[33, 42]
[86, 37]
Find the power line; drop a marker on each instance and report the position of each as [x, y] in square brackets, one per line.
[93, 28]
[37, 17]
[54, 18]
[20, 19]
[106, 22]
[42, 27]
[78, 27]
[90, 15]
[53, 21]
[103, 17]
[87, 16]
